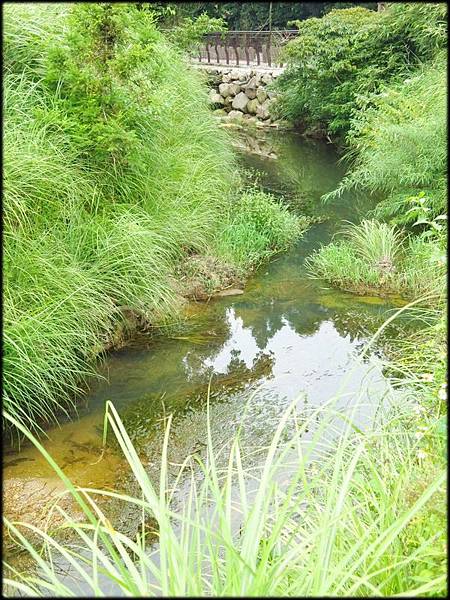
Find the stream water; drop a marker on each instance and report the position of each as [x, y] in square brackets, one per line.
[288, 336]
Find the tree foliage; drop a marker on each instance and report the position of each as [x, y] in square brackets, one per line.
[355, 51]
[255, 15]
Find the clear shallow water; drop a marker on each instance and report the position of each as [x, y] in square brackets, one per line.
[286, 337]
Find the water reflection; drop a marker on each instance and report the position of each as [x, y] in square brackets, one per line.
[288, 336]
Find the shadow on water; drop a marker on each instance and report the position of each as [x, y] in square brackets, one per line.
[287, 336]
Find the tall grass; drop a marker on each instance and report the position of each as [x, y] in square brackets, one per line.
[256, 227]
[377, 258]
[397, 143]
[376, 243]
[114, 171]
[351, 514]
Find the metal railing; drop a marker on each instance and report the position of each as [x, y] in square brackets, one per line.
[244, 47]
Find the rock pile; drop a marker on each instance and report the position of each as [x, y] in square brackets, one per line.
[242, 95]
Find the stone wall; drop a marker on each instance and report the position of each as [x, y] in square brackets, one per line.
[242, 94]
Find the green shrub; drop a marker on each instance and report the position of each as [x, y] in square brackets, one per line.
[354, 51]
[424, 267]
[372, 257]
[257, 226]
[398, 142]
[188, 34]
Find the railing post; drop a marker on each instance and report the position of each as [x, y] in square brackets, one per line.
[225, 45]
[246, 48]
[216, 43]
[236, 40]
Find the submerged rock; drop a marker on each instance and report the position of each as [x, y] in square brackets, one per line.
[229, 292]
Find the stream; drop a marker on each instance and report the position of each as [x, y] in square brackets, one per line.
[288, 336]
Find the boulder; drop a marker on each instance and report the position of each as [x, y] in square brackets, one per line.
[228, 100]
[215, 98]
[267, 78]
[263, 110]
[236, 115]
[225, 89]
[253, 82]
[243, 76]
[240, 102]
[251, 93]
[261, 95]
[252, 106]
[220, 112]
[235, 74]
[235, 88]
[226, 77]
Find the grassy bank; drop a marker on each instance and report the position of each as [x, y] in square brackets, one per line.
[115, 174]
[377, 82]
[379, 258]
[360, 514]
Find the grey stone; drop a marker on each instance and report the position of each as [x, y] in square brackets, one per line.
[253, 83]
[243, 76]
[229, 292]
[263, 110]
[226, 77]
[252, 106]
[224, 89]
[261, 95]
[250, 92]
[267, 78]
[228, 100]
[235, 115]
[220, 112]
[240, 102]
[215, 98]
[235, 88]
[235, 74]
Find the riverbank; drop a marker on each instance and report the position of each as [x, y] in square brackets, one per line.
[110, 198]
